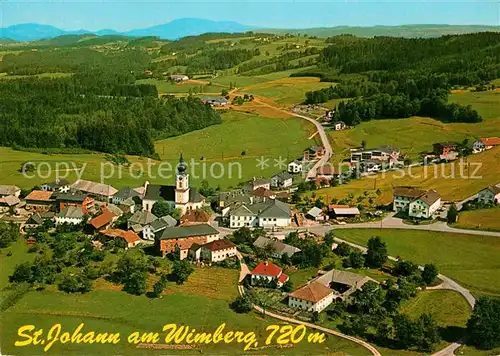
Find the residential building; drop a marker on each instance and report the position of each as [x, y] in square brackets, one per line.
[180, 195]
[268, 271]
[104, 220]
[83, 201]
[327, 171]
[339, 125]
[295, 167]
[153, 228]
[70, 215]
[425, 205]
[485, 143]
[446, 150]
[124, 194]
[313, 297]
[313, 153]
[140, 219]
[403, 196]
[130, 238]
[6, 190]
[386, 154]
[128, 206]
[99, 191]
[215, 101]
[257, 183]
[282, 180]
[39, 200]
[9, 201]
[279, 248]
[343, 211]
[38, 219]
[217, 250]
[59, 185]
[267, 214]
[197, 216]
[343, 283]
[179, 77]
[180, 239]
[489, 195]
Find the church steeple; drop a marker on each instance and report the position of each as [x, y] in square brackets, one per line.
[182, 185]
[181, 167]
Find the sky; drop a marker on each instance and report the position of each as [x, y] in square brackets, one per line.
[126, 15]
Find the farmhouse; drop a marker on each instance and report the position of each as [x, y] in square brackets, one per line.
[104, 220]
[99, 191]
[403, 196]
[295, 166]
[180, 196]
[268, 214]
[489, 195]
[386, 154]
[130, 238]
[180, 239]
[79, 200]
[278, 248]
[446, 150]
[179, 77]
[270, 272]
[343, 282]
[70, 215]
[6, 190]
[314, 296]
[215, 101]
[282, 180]
[217, 251]
[485, 144]
[153, 228]
[257, 183]
[59, 185]
[39, 200]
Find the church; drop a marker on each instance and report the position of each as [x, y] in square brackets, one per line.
[179, 195]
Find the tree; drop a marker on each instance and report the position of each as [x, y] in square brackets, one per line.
[405, 268]
[285, 259]
[162, 208]
[376, 255]
[452, 215]
[182, 270]
[483, 326]
[316, 317]
[8, 234]
[22, 273]
[429, 274]
[75, 283]
[136, 283]
[369, 299]
[287, 286]
[242, 304]
[355, 260]
[343, 249]
[224, 92]
[243, 236]
[427, 333]
[384, 332]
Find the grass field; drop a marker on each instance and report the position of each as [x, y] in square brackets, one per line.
[482, 219]
[202, 303]
[257, 136]
[287, 91]
[469, 259]
[454, 181]
[166, 86]
[43, 75]
[487, 103]
[411, 136]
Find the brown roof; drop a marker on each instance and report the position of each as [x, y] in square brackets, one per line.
[313, 292]
[218, 245]
[430, 197]
[39, 195]
[336, 206]
[101, 220]
[326, 169]
[263, 192]
[168, 246]
[408, 192]
[9, 200]
[128, 236]
[195, 216]
[490, 141]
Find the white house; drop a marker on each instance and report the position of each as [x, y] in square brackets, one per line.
[313, 297]
[403, 196]
[70, 215]
[279, 248]
[179, 77]
[339, 125]
[426, 205]
[59, 185]
[282, 180]
[6, 190]
[150, 230]
[270, 272]
[295, 167]
[268, 214]
[489, 195]
[218, 250]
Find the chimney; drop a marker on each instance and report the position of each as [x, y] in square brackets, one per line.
[266, 263]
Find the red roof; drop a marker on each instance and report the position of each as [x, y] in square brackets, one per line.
[267, 269]
[101, 220]
[283, 278]
[491, 141]
[168, 246]
[39, 195]
[219, 245]
[128, 236]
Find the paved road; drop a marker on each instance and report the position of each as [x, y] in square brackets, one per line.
[244, 270]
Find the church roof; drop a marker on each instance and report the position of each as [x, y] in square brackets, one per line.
[195, 196]
[156, 192]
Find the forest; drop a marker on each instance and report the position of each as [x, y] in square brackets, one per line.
[61, 113]
[401, 77]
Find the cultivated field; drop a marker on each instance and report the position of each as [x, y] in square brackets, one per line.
[454, 181]
[469, 259]
[482, 219]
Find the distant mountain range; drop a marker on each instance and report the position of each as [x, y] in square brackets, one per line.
[192, 27]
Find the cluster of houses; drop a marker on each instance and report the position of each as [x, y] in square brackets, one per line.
[449, 151]
[318, 293]
[332, 211]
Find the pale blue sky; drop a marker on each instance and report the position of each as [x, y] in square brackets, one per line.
[126, 15]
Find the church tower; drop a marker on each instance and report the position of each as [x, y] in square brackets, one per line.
[182, 186]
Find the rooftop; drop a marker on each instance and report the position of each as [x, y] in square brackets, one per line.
[39, 195]
[278, 246]
[143, 217]
[313, 292]
[187, 231]
[103, 219]
[94, 188]
[490, 141]
[407, 192]
[8, 189]
[267, 269]
[219, 245]
[71, 212]
[128, 236]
